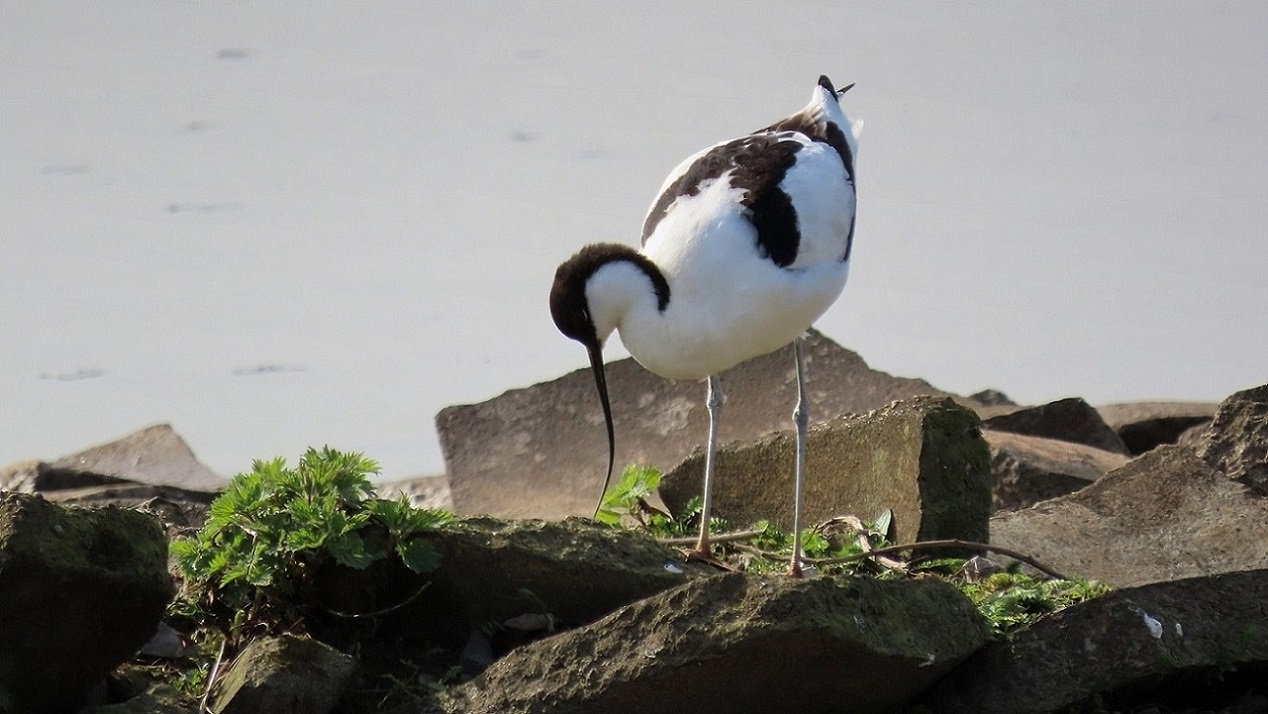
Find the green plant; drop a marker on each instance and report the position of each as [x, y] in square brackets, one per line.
[273, 527]
[192, 681]
[628, 497]
[626, 502]
[846, 545]
[1012, 600]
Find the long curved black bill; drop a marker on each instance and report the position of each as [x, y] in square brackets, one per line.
[601, 380]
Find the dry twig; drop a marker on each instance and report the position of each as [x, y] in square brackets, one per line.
[945, 543]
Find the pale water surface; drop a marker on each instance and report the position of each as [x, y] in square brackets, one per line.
[277, 224]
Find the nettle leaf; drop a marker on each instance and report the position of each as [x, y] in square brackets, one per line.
[260, 575]
[220, 561]
[348, 549]
[233, 573]
[642, 480]
[248, 568]
[337, 523]
[305, 513]
[304, 539]
[394, 515]
[813, 543]
[355, 521]
[429, 519]
[626, 498]
[418, 555]
[346, 473]
[264, 474]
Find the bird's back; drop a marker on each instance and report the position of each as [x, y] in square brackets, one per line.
[792, 181]
[753, 236]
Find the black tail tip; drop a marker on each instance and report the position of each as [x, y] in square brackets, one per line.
[827, 84]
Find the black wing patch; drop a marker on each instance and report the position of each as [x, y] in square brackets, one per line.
[827, 133]
[824, 132]
[757, 163]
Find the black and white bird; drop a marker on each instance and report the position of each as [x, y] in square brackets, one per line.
[747, 244]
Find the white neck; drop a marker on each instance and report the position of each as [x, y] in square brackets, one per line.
[616, 290]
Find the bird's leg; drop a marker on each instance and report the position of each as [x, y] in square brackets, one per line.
[714, 404]
[801, 417]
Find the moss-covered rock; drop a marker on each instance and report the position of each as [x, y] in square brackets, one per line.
[490, 570]
[924, 458]
[285, 675]
[80, 591]
[1125, 651]
[738, 643]
[162, 699]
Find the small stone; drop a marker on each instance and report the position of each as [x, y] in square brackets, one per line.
[992, 398]
[165, 644]
[284, 675]
[477, 654]
[155, 455]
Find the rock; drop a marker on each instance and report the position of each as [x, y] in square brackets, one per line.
[166, 643]
[162, 699]
[992, 398]
[737, 643]
[1192, 436]
[1236, 442]
[284, 675]
[542, 451]
[155, 455]
[1163, 516]
[128, 495]
[924, 458]
[40, 477]
[1119, 651]
[422, 491]
[179, 510]
[80, 591]
[1029, 469]
[575, 571]
[1066, 419]
[1145, 425]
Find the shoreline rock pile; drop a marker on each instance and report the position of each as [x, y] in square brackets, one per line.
[1166, 503]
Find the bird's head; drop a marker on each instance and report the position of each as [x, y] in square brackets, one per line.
[570, 309]
[586, 301]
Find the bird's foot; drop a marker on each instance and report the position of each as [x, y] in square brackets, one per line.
[797, 570]
[705, 555]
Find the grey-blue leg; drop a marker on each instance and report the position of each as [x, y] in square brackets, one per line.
[714, 404]
[801, 417]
